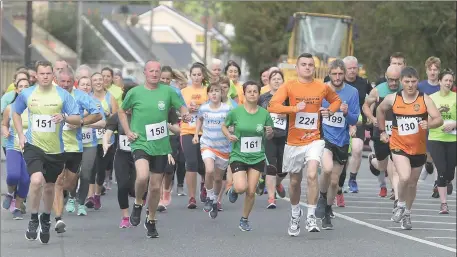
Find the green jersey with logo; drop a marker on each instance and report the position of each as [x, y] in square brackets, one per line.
[150, 109]
[250, 131]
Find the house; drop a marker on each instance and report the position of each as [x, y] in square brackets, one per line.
[169, 25]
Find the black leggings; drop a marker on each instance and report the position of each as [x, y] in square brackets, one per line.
[179, 168]
[274, 150]
[443, 154]
[101, 165]
[343, 176]
[125, 177]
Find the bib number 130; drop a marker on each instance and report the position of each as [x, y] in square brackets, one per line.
[156, 131]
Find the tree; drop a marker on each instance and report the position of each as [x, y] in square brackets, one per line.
[61, 23]
[418, 29]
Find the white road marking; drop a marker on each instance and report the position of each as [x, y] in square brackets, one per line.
[379, 207]
[415, 215]
[440, 246]
[350, 197]
[432, 229]
[391, 203]
[441, 237]
[418, 221]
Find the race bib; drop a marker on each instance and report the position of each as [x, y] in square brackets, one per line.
[156, 131]
[43, 123]
[452, 132]
[278, 122]
[306, 120]
[124, 143]
[100, 133]
[251, 144]
[86, 135]
[193, 120]
[336, 120]
[388, 127]
[407, 126]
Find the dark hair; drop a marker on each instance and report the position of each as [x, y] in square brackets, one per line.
[21, 68]
[43, 64]
[261, 72]
[305, 55]
[126, 89]
[398, 55]
[108, 69]
[224, 80]
[409, 72]
[206, 73]
[21, 72]
[167, 69]
[274, 73]
[212, 85]
[16, 85]
[234, 64]
[249, 83]
[446, 72]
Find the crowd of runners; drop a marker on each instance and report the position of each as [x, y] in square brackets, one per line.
[67, 134]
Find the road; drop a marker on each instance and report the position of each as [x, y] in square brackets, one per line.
[363, 228]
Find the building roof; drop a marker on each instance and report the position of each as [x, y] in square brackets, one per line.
[13, 43]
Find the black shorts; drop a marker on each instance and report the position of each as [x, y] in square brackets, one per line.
[237, 166]
[416, 161]
[157, 163]
[340, 153]
[381, 149]
[192, 154]
[51, 165]
[274, 151]
[360, 132]
[73, 161]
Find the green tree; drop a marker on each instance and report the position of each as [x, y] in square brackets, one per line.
[61, 23]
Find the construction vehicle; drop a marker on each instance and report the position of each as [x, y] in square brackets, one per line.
[325, 36]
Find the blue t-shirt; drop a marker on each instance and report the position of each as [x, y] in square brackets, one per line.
[426, 88]
[7, 99]
[336, 127]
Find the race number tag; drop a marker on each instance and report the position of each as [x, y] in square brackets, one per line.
[86, 135]
[336, 120]
[388, 127]
[407, 126]
[193, 120]
[452, 132]
[306, 120]
[156, 131]
[251, 144]
[124, 143]
[43, 123]
[278, 122]
[100, 133]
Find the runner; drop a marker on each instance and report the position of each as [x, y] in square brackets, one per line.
[379, 163]
[215, 148]
[150, 105]
[364, 87]
[89, 141]
[442, 140]
[304, 144]
[17, 177]
[72, 139]
[216, 69]
[43, 144]
[233, 71]
[413, 113]
[429, 87]
[336, 137]
[194, 95]
[253, 125]
[274, 148]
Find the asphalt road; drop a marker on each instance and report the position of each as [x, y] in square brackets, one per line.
[362, 228]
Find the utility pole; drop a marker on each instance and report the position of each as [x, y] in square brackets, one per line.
[151, 24]
[205, 54]
[28, 36]
[79, 36]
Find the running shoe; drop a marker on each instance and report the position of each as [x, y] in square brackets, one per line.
[383, 192]
[280, 191]
[125, 223]
[311, 224]
[444, 209]
[244, 225]
[294, 224]
[271, 203]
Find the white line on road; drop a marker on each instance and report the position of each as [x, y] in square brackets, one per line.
[441, 237]
[381, 213]
[391, 203]
[418, 221]
[443, 247]
[350, 197]
[382, 208]
[432, 229]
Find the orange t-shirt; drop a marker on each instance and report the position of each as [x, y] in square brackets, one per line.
[407, 135]
[306, 121]
[198, 96]
[240, 93]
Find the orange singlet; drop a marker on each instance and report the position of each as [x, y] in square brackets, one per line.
[407, 135]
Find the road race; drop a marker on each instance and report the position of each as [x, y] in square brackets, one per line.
[145, 129]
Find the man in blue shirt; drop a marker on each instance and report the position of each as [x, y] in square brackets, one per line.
[336, 136]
